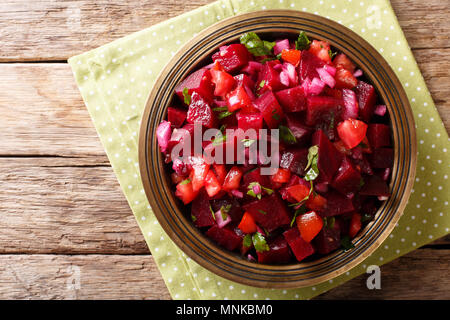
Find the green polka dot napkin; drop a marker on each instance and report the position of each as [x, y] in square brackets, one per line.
[115, 80]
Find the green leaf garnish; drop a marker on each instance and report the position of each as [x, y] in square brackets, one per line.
[298, 212]
[219, 139]
[304, 199]
[255, 45]
[262, 211]
[193, 218]
[366, 217]
[287, 135]
[247, 241]
[226, 208]
[262, 83]
[302, 42]
[347, 243]
[361, 183]
[222, 128]
[224, 215]
[186, 181]
[224, 114]
[220, 109]
[313, 155]
[331, 54]
[186, 96]
[328, 222]
[248, 142]
[275, 115]
[260, 242]
[212, 212]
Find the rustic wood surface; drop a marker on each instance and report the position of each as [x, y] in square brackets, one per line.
[63, 213]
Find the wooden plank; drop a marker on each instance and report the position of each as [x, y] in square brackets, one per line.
[56, 30]
[64, 205]
[80, 277]
[136, 277]
[422, 274]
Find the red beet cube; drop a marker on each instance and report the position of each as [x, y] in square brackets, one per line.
[322, 108]
[200, 210]
[200, 110]
[225, 237]
[232, 57]
[299, 247]
[279, 252]
[292, 99]
[382, 158]
[200, 82]
[301, 132]
[254, 176]
[375, 186]
[295, 160]
[328, 239]
[347, 178]
[379, 135]
[365, 93]
[270, 212]
[336, 204]
[329, 159]
[251, 120]
[244, 80]
[270, 109]
[235, 212]
[308, 65]
[269, 79]
[176, 116]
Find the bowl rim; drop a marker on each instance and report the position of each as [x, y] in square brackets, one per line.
[145, 155]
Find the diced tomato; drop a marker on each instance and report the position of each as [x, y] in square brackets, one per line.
[341, 60]
[238, 99]
[316, 202]
[309, 225]
[221, 172]
[185, 192]
[224, 82]
[345, 79]
[232, 179]
[247, 224]
[281, 175]
[299, 192]
[212, 185]
[199, 171]
[292, 56]
[320, 49]
[355, 225]
[352, 132]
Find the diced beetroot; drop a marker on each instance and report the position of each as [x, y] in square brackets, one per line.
[379, 135]
[322, 107]
[382, 158]
[235, 211]
[232, 57]
[200, 82]
[279, 252]
[200, 210]
[301, 132]
[271, 79]
[375, 186]
[329, 159]
[366, 99]
[254, 176]
[252, 120]
[200, 110]
[225, 237]
[253, 69]
[328, 239]
[292, 99]
[295, 160]
[337, 204]
[176, 116]
[270, 212]
[299, 247]
[308, 65]
[270, 109]
[244, 80]
[350, 104]
[347, 178]
[179, 135]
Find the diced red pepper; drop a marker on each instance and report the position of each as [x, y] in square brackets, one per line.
[316, 202]
[224, 82]
[247, 224]
[185, 192]
[355, 225]
[352, 132]
[232, 179]
[281, 175]
[298, 192]
[291, 55]
[212, 185]
[199, 171]
[309, 225]
[320, 49]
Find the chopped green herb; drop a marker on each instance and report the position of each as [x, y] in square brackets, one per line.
[193, 218]
[332, 121]
[248, 142]
[279, 56]
[313, 172]
[186, 181]
[267, 190]
[222, 128]
[224, 114]
[298, 212]
[255, 45]
[220, 109]
[366, 217]
[259, 241]
[219, 139]
[328, 222]
[224, 215]
[226, 208]
[347, 243]
[261, 84]
[331, 54]
[287, 135]
[262, 211]
[302, 42]
[363, 145]
[247, 240]
[304, 199]
[186, 96]
[212, 212]
[275, 115]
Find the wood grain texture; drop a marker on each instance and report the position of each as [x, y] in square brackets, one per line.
[56, 30]
[80, 277]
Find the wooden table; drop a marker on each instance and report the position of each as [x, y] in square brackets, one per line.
[63, 215]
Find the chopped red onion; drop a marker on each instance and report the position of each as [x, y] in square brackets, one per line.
[386, 174]
[163, 133]
[257, 189]
[284, 78]
[358, 73]
[237, 193]
[250, 257]
[289, 69]
[380, 110]
[316, 86]
[280, 46]
[326, 77]
[330, 69]
[219, 219]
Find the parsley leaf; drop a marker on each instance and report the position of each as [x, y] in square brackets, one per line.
[331, 54]
[219, 139]
[255, 45]
[224, 114]
[328, 222]
[298, 212]
[262, 83]
[212, 212]
[247, 240]
[287, 135]
[260, 242]
[220, 109]
[193, 218]
[304, 199]
[248, 142]
[302, 42]
[186, 96]
[186, 181]
[313, 155]
[262, 211]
